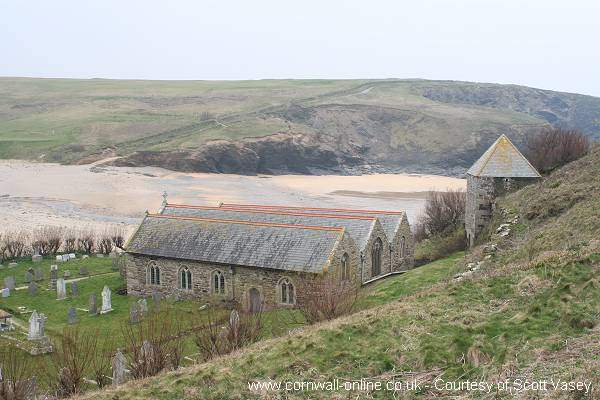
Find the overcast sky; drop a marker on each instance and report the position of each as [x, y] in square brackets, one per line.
[540, 43]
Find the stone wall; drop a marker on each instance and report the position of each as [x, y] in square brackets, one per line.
[239, 280]
[481, 196]
[366, 264]
[403, 260]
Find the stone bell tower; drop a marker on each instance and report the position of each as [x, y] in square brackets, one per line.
[501, 169]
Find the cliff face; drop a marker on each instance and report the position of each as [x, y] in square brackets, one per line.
[275, 127]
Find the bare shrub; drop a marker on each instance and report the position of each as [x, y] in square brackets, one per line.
[220, 331]
[419, 231]
[70, 241]
[554, 147]
[70, 360]
[86, 242]
[47, 240]
[326, 297]
[105, 244]
[444, 212]
[100, 365]
[154, 344]
[16, 380]
[117, 235]
[13, 244]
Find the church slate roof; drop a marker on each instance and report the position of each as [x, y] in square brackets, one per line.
[503, 159]
[390, 220]
[262, 245]
[359, 228]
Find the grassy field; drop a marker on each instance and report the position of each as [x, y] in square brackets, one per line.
[383, 121]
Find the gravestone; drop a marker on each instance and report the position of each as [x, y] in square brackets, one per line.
[54, 267]
[234, 319]
[93, 307]
[5, 292]
[112, 254]
[28, 277]
[12, 264]
[59, 258]
[72, 256]
[100, 255]
[142, 306]
[38, 274]
[83, 257]
[36, 258]
[156, 301]
[32, 288]
[106, 303]
[72, 316]
[37, 323]
[119, 368]
[83, 271]
[61, 289]
[53, 277]
[65, 257]
[9, 282]
[134, 314]
[74, 289]
[67, 274]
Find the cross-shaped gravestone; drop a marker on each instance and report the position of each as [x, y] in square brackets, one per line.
[33, 288]
[93, 307]
[72, 316]
[74, 289]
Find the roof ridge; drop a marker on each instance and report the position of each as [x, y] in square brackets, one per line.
[240, 222]
[494, 147]
[272, 211]
[259, 206]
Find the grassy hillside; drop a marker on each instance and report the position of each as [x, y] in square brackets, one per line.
[526, 308]
[274, 125]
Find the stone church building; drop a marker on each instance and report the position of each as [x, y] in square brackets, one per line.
[256, 255]
[501, 169]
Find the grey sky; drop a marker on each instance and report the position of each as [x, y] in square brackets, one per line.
[541, 43]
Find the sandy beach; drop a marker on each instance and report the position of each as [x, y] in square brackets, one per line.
[38, 194]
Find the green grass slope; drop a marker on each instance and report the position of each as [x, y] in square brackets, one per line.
[392, 123]
[527, 312]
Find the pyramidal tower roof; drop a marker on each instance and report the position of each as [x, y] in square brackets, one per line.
[503, 159]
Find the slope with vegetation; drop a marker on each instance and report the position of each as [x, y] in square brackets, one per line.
[274, 126]
[518, 306]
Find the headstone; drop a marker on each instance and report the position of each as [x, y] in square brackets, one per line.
[106, 304]
[33, 288]
[72, 316]
[65, 257]
[147, 350]
[134, 314]
[142, 305]
[83, 271]
[59, 258]
[74, 289]
[112, 254]
[9, 282]
[36, 258]
[119, 368]
[100, 255]
[156, 301]
[67, 274]
[53, 278]
[28, 277]
[37, 324]
[54, 267]
[93, 307]
[72, 256]
[83, 257]
[39, 274]
[234, 319]
[5, 292]
[12, 264]
[61, 289]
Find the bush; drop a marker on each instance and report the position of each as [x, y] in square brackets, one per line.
[13, 244]
[86, 242]
[16, 380]
[444, 212]
[554, 147]
[440, 246]
[326, 298]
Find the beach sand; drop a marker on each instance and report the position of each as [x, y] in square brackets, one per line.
[37, 194]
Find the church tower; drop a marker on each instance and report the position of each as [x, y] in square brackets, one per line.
[501, 169]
